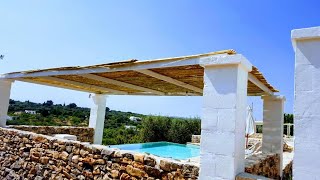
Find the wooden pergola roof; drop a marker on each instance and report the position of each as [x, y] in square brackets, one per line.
[177, 76]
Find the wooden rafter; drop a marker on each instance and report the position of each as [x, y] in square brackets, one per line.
[53, 85]
[169, 80]
[120, 83]
[84, 85]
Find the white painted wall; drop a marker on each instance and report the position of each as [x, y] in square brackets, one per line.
[97, 116]
[223, 121]
[306, 44]
[273, 112]
[5, 88]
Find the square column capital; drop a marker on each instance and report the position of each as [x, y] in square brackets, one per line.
[225, 60]
[98, 97]
[273, 98]
[304, 34]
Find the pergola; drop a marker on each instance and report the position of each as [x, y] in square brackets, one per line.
[223, 78]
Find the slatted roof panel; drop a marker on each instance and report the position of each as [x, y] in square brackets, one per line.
[192, 75]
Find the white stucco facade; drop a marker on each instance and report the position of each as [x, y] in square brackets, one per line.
[97, 116]
[223, 120]
[306, 44]
[5, 88]
[273, 112]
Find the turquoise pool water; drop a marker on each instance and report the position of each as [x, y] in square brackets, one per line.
[164, 149]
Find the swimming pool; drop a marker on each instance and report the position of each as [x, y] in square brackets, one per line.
[164, 149]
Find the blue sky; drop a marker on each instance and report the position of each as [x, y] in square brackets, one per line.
[43, 34]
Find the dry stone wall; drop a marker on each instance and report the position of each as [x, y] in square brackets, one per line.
[84, 134]
[26, 155]
[287, 172]
[261, 164]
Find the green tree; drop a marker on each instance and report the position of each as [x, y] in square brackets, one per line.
[155, 128]
[72, 105]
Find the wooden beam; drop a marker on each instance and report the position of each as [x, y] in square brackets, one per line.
[169, 80]
[157, 63]
[258, 83]
[119, 83]
[84, 85]
[54, 85]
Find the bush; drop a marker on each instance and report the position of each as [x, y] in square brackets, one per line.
[120, 135]
[178, 130]
[155, 128]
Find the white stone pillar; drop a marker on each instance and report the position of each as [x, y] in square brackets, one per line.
[223, 120]
[97, 116]
[5, 88]
[306, 44]
[273, 114]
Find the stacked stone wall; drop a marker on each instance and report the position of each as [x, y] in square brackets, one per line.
[261, 164]
[26, 155]
[287, 172]
[84, 134]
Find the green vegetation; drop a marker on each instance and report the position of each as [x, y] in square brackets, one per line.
[178, 130]
[151, 129]
[288, 118]
[48, 114]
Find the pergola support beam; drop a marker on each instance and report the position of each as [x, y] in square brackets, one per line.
[5, 88]
[258, 83]
[306, 44]
[157, 63]
[272, 140]
[223, 121]
[97, 117]
[169, 80]
[119, 83]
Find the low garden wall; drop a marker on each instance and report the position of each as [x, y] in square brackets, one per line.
[261, 164]
[84, 134]
[26, 155]
[287, 172]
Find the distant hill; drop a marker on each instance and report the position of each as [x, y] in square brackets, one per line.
[151, 129]
[49, 113]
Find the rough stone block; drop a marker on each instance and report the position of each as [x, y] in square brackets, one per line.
[66, 136]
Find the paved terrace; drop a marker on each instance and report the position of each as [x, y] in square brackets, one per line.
[223, 78]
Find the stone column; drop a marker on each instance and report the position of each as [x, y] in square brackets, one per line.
[97, 117]
[5, 88]
[272, 141]
[223, 120]
[306, 44]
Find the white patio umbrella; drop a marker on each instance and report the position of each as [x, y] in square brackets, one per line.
[249, 123]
